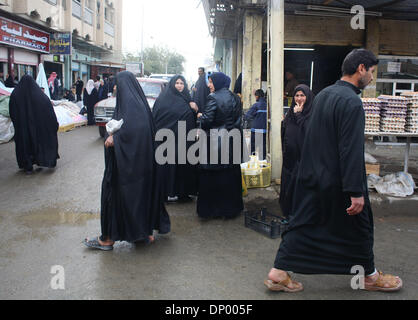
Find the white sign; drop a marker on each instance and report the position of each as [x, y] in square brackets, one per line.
[394, 67]
[135, 68]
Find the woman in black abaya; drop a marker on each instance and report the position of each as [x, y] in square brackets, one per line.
[90, 98]
[220, 185]
[35, 124]
[294, 127]
[173, 106]
[132, 195]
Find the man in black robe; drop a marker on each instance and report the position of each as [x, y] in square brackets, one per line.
[331, 227]
[201, 91]
[238, 85]
[79, 85]
[35, 124]
[132, 193]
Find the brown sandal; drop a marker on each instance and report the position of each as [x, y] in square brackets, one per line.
[385, 283]
[284, 285]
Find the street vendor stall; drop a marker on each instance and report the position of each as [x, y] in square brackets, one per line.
[406, 135]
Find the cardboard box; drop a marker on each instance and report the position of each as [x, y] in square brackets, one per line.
[373, 169]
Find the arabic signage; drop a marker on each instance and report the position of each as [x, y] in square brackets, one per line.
[60, 43]
[19, 35]
[394, 67]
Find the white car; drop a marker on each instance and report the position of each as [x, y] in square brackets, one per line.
[103, 110]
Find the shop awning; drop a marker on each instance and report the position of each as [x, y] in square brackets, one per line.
[88, 46]
[108, 64]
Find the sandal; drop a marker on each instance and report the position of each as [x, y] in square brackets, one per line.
[95, 244]
[284, 285]
[385, 283]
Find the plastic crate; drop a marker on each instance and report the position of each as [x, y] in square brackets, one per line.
[257, 178]
[266, 223]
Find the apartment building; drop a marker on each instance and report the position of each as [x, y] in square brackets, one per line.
[90, 29]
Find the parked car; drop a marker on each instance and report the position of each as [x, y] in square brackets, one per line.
[167, 77]
[103, 110]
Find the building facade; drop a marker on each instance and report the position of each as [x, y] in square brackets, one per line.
[93, 27]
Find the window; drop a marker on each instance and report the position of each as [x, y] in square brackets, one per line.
[89, 4]
[109, 29]
[98, 14]
[76, 9]
[109, 15]
[397, 74]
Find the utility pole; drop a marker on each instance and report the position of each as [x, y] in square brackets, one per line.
[142, 41]
[276, 38]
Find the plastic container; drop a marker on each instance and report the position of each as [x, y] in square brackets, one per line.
[266, 223]
[257, 174]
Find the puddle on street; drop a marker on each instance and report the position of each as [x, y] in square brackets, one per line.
[50, 217]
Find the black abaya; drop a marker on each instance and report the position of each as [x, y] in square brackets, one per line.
[294, 128]
[202, 92]
[322, 237]
[132, 194]
[35, 124]
[220, 185]
[90, 101]
[171, 107]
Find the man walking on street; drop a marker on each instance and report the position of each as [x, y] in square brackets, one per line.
[331, 228]
[79, 85]
[258, 115]
[201, 91]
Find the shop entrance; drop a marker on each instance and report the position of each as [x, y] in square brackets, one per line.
[318, 66]
[53, 67]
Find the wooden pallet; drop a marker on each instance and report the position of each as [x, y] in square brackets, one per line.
[66, 128]
[80, 124]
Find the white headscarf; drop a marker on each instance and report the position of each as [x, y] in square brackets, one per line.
[90, 86]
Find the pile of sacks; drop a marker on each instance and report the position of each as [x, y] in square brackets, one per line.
[7, 131]
[68, 113]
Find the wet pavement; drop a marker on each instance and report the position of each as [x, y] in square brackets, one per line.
[44, 218]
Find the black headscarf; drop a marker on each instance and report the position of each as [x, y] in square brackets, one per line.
[238, 85]
[35, 125]
[173, 106]
[201, 93]
[132, 199]
[307, 108]
[220, 80]
[9, 83]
